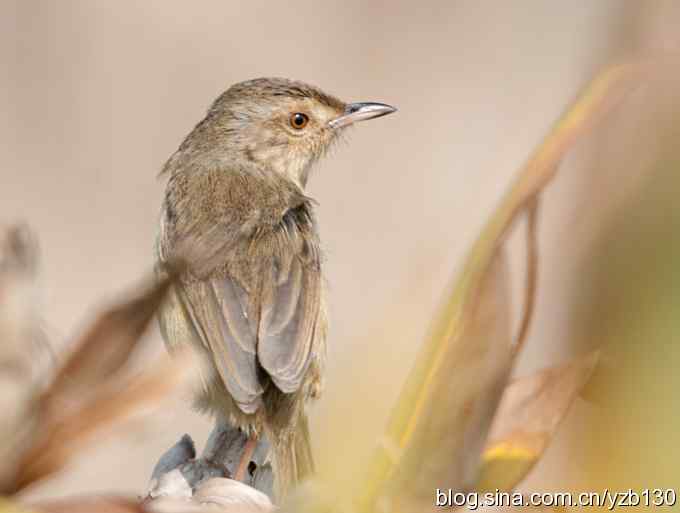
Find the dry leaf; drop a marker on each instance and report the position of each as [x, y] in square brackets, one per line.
[20, 345]
[46, 430]
[107, 344]
[527, 419]
[90, 505]
[18, 299]
[73, 408]
[65, 437]
[7, 506]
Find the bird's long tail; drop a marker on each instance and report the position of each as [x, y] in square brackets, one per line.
[304, 458]
[293, 461]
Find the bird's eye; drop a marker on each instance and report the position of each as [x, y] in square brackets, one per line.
[299, 120]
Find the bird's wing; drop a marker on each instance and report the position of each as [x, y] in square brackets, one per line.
[265, 317]
[291, 322]
[218, 310]
[206, 214]
[273, 325]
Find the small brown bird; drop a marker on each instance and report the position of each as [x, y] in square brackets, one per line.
[252, 299]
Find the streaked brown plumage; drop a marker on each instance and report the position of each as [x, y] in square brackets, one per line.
[252, 300]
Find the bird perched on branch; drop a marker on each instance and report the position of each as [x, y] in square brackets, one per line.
[252, 298]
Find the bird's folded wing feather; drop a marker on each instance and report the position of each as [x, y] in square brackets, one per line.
[218, 310]
[289, 323]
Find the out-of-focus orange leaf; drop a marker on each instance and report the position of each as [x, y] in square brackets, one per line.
[19, 316]
[527, 419]
[107, 344]
[42, 431]
[64, 437]
[7, 506]
[73, 408]
[18, 312]
[90, 505]
[20, 345]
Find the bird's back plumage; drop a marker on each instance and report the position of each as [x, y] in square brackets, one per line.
[252, 298]
[255, 300]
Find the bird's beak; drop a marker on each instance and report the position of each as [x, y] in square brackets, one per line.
[359, 112]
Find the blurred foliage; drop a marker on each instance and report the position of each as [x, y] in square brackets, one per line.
[463, 367]
[52, 423]
[7, 506]
[526, 421]
[632, 310]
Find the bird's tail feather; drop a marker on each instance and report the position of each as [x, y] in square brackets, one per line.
[304, 459]
[292, 459]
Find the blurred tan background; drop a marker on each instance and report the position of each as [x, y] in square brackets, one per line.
[95, 96]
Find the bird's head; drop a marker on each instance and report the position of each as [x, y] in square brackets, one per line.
[280, 125]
